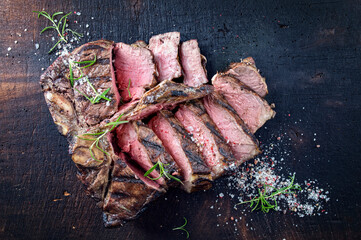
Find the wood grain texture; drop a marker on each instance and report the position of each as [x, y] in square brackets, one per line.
[310, 54]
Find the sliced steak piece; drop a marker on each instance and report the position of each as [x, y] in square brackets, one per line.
[178, 143]
[129, 142]
[127, 195]
[247, 73]
[252, 109]
[156, 152]
[197, 122]
[242, 142]
[193, 70]
[165, 50]
[165, 95]
[134, 68]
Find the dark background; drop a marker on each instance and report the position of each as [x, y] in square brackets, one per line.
[310, 54]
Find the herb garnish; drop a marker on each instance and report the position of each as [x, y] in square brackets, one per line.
[130, 95]
[162, 172]
[74, 64]
[261, 201]
[97, 96]
[101, 135]
[61, 29]
[182, 227]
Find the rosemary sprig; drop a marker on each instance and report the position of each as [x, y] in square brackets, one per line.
[100, 136]
[182, 227]
[162, 172]
[97, 97]
[76, 65]
[261, 201]
[59, 28]
[130, 95]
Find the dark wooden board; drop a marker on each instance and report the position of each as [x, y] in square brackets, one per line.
[310, 53]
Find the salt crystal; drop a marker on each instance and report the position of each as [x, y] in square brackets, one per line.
[87, 25]
[78, 13]
[9, 49]
[25, 30]
[15, 42]
[36, 46]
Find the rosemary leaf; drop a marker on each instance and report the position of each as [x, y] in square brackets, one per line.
[151, 169]
[46, 28]
[57, 13]
[182, 227]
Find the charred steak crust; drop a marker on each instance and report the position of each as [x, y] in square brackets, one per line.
[162, 97]
[59, 96]
[100, 76]
[126, 197]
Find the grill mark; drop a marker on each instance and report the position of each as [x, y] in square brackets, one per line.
[199, 106]
[179, 128]
[96, 79]
[178, 93]
[227, 155]
[102, 61]
[198, 166]
[214, 131]
[119, 195]
[153, 145]
[234, 114]
[127, 179]
[225, 105]
[91, 47]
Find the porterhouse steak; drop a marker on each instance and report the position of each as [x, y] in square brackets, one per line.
[197, 132]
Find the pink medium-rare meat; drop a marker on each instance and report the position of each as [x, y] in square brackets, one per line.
[157, 152]
[167, 135]
[224, 149]
[193, 71]
[203, 137]
[134, 68]
[184, 151]
[252, 109]
[128, 142]
[165, 51]
[247, 73]
[242, 142]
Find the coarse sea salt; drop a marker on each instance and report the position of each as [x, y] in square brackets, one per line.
[266, 169]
